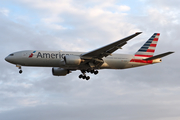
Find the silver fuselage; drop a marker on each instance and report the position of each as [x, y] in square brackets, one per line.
[56, 59]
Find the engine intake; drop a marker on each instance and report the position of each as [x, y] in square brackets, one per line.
[72, 60]
[56, 71]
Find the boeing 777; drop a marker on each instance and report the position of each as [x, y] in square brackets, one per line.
[63, 63]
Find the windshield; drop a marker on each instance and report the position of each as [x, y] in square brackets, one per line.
[11, 55]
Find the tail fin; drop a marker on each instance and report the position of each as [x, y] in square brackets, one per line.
[148, 49]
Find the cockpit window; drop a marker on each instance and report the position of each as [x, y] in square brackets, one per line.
[11, 55]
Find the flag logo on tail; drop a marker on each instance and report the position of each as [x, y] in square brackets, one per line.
[148, 49]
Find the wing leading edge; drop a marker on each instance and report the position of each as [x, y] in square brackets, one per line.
[108, 49]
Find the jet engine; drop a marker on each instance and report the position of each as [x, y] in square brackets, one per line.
[56, 71]
[72, 60]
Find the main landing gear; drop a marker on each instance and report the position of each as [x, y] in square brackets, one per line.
[20, 71]
[83, 75]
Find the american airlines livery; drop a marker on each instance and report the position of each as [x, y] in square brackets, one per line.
[63, 63]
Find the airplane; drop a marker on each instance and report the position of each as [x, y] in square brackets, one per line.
[64, 62]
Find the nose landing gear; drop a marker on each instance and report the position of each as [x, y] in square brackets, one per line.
[19, 66]
[20, 71]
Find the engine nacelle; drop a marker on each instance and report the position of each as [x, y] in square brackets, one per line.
[56, 71]
[72, 60]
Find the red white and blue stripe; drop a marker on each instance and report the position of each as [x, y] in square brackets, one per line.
[147, 50]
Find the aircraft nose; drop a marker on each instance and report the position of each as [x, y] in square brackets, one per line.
[7, 59]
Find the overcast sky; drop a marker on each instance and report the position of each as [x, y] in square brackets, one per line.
[145, 93]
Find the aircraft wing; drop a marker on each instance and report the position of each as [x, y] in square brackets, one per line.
[108, 49]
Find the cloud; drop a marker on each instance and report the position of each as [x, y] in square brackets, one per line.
[79, 112]
[4, 11]
[124, 8]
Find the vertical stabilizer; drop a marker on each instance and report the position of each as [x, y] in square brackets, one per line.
[148, 49]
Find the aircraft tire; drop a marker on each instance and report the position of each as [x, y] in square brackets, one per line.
[96, 72]
[20, 71]
[92, 71]
[87, 78]
[84, 77]
[80, 76]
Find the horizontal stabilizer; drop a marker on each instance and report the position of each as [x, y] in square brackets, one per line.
[159, 56]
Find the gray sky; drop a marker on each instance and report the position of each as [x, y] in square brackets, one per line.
[144, 93]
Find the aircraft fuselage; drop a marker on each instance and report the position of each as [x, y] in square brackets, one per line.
[56, 59]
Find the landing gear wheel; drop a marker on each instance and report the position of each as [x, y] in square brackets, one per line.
[84, 77]
[87, 78]
[96, 72]
[80, 76]
[92, 71]
[20, 71]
